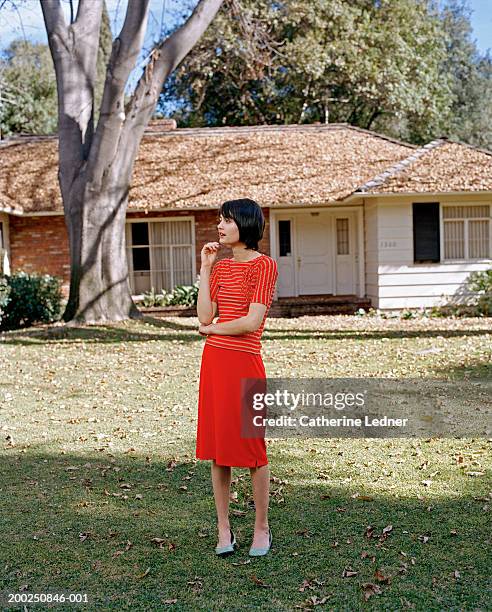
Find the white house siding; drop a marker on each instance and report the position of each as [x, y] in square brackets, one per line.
[401, 283]
[371, 251]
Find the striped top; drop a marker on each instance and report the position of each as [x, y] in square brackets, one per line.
[233, 286]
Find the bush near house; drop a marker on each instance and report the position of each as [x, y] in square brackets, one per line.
[182, 295]
[29, 298]
[481, 282]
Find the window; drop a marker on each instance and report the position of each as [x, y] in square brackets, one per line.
[466, 232]
[426, 235]
[160, 254]
[342, 236]
[284, 238]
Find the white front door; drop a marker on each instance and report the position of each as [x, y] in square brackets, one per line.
[344, 253]
[313, 257]
[315, 253]
[286, 283]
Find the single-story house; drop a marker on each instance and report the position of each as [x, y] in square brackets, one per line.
[349, 212]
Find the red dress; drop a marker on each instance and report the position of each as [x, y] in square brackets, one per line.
[228, 359]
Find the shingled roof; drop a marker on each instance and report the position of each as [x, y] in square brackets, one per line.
[183, 169]
[279, 166]
[440, 166]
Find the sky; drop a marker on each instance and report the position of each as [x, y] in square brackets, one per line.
[27, 20]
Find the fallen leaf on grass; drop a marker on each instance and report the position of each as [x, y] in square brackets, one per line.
[144, 574]
[315, 601]
[370, 589]
[359, 497]
[197, 584]
[380, 577]
[310, 584]
[245, 562]
[171, 465]
[259, 582]
[161, 541]
[348, 572]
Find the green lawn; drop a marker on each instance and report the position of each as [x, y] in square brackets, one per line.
[101, 493]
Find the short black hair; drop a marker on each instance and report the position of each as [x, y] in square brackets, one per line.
[249, 218]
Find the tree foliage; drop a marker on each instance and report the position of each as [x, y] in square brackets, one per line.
[28, 95]
[385, 65]
[471, 79]
[28, 90]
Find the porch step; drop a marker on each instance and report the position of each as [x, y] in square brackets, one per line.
[318, 305]
[283, 307]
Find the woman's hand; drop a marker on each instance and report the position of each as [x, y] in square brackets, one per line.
[205, 330]
[209, 253]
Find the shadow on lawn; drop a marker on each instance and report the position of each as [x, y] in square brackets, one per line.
[480, 369]
[189, 333]
[103, 334]
[69, 527]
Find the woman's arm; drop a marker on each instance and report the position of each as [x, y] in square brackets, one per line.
[242, 325]
[205, 308]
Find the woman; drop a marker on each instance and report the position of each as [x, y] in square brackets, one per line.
[242, 288]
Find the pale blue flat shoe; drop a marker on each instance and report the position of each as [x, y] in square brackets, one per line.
[224, 551]
[259, 552]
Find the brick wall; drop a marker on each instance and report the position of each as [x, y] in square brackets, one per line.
[40, 244]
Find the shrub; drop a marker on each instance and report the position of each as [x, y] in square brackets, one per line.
[32, 298]
[4, 296]
[481, 283]
[182, 295]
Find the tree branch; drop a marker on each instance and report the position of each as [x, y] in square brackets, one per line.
[53, 17]
[74, 52]
[166, 56]
[89, 13]
[124, 55]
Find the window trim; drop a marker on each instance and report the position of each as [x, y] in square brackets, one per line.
[466, 258]
[190, 218]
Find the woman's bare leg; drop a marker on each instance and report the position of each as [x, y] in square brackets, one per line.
[260, 479]
[221, 482]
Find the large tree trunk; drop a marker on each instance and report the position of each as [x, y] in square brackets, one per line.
[95, 167]
[99, 289]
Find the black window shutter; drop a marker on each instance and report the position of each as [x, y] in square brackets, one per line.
[426, 232]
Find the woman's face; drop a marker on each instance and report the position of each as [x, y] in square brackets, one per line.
[228, 231]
